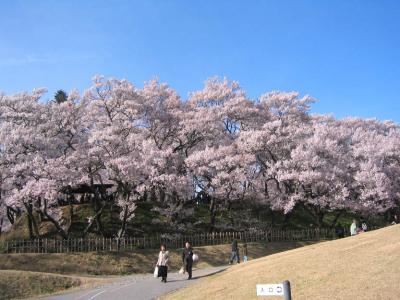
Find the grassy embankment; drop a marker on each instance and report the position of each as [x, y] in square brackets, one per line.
[365, 267]
[139, 261]
[17, 279]
[23, 284]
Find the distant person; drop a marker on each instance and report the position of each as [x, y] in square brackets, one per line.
[187, 258]
[395, 220]
[364, 226]
[245, 257]
[235, 252]
[162, 263]
[339, 230]
[353, 227]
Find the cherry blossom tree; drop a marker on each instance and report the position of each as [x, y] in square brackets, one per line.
[38, 142]
[214, 119]
[376, 165]
[285, 122]
[127, 145]
[318, 169]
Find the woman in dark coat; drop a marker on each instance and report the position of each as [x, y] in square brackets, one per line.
[187, 258]
[162, 263]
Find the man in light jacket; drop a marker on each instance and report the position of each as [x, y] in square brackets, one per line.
[353, 228]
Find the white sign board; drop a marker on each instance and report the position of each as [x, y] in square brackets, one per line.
[270, 289]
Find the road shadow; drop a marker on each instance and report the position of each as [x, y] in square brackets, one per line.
[176, 280]
[198, 277]
[209, 274]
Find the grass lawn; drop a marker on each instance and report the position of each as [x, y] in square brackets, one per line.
[365, 267]
[57, 271]
[23, 284]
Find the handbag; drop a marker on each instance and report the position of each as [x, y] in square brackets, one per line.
[155, 272]
[182, 270]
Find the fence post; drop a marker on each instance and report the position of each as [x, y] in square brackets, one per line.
[200, 239]
[287, 293]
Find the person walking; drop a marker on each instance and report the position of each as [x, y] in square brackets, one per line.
[364, 226]
[235, 252]
[353, 227]
[245, 257]
[395, 220]
[162, 263]
[187, 259]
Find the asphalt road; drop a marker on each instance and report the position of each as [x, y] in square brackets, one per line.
[137, 287]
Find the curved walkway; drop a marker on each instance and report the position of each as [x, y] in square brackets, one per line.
[138, 287]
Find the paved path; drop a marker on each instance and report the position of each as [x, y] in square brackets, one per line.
[137, 287]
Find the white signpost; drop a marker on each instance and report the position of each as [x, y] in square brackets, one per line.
[279, 289]
[270, 289]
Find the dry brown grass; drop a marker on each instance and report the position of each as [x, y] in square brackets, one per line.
[23, 284]
[139, 261]
[366, 266]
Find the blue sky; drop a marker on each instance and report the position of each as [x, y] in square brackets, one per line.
[345, 53]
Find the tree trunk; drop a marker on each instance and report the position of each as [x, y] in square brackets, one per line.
[337, 216]
[98, 204]
[320, 218]
[99, 224]
[212, 214]
[11, 214]
[71, 215]
[89, 226]
[60, 230]
[30, 219]
[272, 214]
[35, 226]
[121, 231]
[317, 214]
[286, 218]
[30, 227]
[231, 219]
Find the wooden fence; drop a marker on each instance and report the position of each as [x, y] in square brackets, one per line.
[151, 242]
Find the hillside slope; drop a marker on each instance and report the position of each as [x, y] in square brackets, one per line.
[366, 266]
[147, 221]
[24, 284]
[138, 261]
